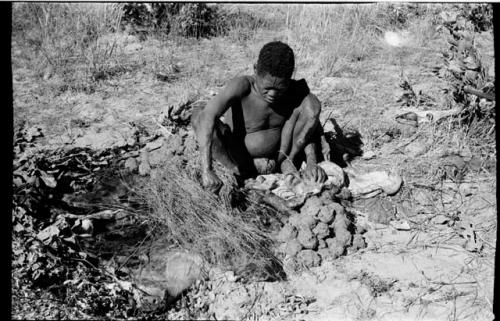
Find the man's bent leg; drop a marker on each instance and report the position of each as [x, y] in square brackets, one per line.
[226, 148]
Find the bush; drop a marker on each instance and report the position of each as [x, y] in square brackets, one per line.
[182, 19]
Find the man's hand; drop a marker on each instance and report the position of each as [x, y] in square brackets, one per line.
[210, 181]
[314, 173]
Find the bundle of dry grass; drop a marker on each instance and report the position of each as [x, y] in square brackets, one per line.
[201, 222]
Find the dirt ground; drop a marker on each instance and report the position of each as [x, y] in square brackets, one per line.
[418, 264]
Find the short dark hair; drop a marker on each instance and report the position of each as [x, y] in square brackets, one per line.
[277, 59]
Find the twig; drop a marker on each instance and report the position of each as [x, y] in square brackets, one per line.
[478, 93]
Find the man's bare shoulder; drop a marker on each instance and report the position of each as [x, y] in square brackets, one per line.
[239, 86]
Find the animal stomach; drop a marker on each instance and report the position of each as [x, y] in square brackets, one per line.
[263, 143]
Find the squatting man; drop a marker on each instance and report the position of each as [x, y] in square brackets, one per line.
[271, 123]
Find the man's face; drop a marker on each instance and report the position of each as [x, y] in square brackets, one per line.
[271, 88]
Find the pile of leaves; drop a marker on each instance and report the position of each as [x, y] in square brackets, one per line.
[55, 250]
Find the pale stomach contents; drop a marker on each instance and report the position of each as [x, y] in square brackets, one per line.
[263, 143]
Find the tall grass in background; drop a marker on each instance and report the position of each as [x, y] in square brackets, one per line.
[64, 38]
[324, 37]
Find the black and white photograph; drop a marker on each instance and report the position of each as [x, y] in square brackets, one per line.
[253, 161]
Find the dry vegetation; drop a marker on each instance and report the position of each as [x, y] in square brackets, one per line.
[81, 66]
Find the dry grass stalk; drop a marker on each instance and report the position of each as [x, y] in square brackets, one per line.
[199, 221]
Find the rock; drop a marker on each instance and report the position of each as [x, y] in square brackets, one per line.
[183, 270]
[401, 225]
[416, 149]
[307, 222]
[144, 169]
[308, 258]
[307, 238]
[292, 247]
[294, 220]
[288, 232]
[87, 226]
[340, 228]
[131, 164]
[324, 253]
[358, 242]
[327, 214]
[368, 155]
[337, 209]
[168, 274]
[322, 244]
[312, 206]
[321, 230]
[335, 247]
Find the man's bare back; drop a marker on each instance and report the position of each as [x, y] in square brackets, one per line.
[265, 115]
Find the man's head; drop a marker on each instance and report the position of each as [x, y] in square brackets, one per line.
[274, 70]
[276, 58]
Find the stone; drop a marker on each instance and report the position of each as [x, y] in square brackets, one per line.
[340, 229]
[307, 222]
[321, 244]
[144, 169]
[312, 206]
[292, 247]
[324, 253]
[368, 155]
[307, 238]
[308, 258]
[321, 230]
[335, 247]
[183, 270]
[327, 214]
[416, 148]
[131, 164]
[358, 242]
[288, 232]
[294, 220]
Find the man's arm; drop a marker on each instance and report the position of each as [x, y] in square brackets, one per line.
[236, 89]
[305, 116]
